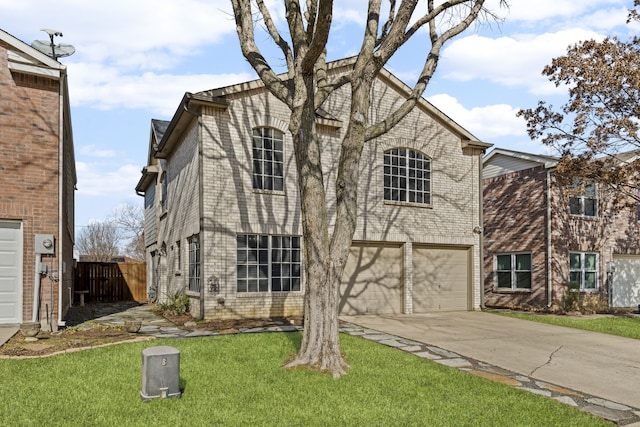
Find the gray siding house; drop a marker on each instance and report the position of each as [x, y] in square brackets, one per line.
[222, 209]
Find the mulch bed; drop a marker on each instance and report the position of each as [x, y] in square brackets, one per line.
[61, 341]
[73, 339]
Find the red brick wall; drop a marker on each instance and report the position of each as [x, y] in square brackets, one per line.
[29, 141]
[515, 221]
[615, 230]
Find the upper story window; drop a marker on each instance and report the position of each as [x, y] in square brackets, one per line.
[583, 199]
[165, 191]
[583, 271]
[513, 271]
[407, 176]
[268, 159]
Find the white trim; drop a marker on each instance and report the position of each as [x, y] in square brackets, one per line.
[19, 266]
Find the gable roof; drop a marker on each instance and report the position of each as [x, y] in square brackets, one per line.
[501, 161]
[386, 76]
[25, 59]
[216, 98]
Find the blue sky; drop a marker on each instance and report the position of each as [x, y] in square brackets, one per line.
[134, 61]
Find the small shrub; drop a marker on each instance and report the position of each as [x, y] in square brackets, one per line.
[176, 304]
[585, 303]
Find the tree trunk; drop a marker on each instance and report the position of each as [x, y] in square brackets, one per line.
[325, 258]
[320, 347]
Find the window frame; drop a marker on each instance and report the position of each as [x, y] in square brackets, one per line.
[583, 270]
[579, 194]
[265, 160]
[513, 272]
[178, 256]
[275, 258]
[194, 280]
[406, 174]
[164, 182]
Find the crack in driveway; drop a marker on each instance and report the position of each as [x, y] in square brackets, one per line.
[547, 362]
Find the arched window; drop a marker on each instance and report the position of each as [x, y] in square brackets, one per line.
[268, 159]
[407, 176]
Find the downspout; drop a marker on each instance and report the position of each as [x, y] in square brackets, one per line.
[549, 260]
[201, 213]
[36, 290]
[481, 224]
[63, 82]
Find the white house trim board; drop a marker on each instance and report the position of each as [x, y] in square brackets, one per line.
[625, 287]
[10, 272]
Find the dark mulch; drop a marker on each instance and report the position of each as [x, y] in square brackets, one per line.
[74, 338]
[49, 343]
[231, 324]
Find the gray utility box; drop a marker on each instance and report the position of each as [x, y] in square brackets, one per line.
[160, 373]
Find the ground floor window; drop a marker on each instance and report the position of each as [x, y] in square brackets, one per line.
[194, 263]
[268, 263]
[513, 271]
[583, 271]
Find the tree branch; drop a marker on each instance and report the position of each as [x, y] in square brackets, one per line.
[244, 28]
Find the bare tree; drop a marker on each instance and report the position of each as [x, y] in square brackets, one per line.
[600, 121]
[130, 219]
[303, 89]
[98, 241]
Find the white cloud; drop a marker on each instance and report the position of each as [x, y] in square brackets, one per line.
[511, 61]
[105, 88]
[123, 30]
[95, 151]
[95, 179]
[486, 123]
[534, 11]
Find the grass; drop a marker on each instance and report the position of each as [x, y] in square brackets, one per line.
[238, 381]
[628, 327]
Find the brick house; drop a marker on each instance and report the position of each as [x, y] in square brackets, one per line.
[222, 216]
[542, 239]
[36, 186]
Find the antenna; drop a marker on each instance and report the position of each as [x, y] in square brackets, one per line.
[50, 48]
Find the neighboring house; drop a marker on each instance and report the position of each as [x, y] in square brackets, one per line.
[542, 239]
[222, 215]
[37, 184]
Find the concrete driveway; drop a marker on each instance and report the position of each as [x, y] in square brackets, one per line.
[598, 364]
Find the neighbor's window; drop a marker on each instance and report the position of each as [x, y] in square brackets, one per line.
[268, 159]
[407, 176]
[178, 256]
[583, 271]
[583, 199]
[165, 191]
[194, 263]
[268, 263]
[513, 271]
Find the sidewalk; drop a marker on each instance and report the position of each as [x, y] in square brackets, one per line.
[7, 331]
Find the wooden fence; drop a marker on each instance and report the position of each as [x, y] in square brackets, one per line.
[111, 281]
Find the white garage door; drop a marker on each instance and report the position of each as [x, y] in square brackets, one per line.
[625, 291]
[372, 280]
[440, 279]
[10, 272]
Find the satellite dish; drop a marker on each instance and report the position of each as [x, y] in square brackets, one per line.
[50, 48]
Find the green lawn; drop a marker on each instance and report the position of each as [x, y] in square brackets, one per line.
[238, 381]
[628, 327]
